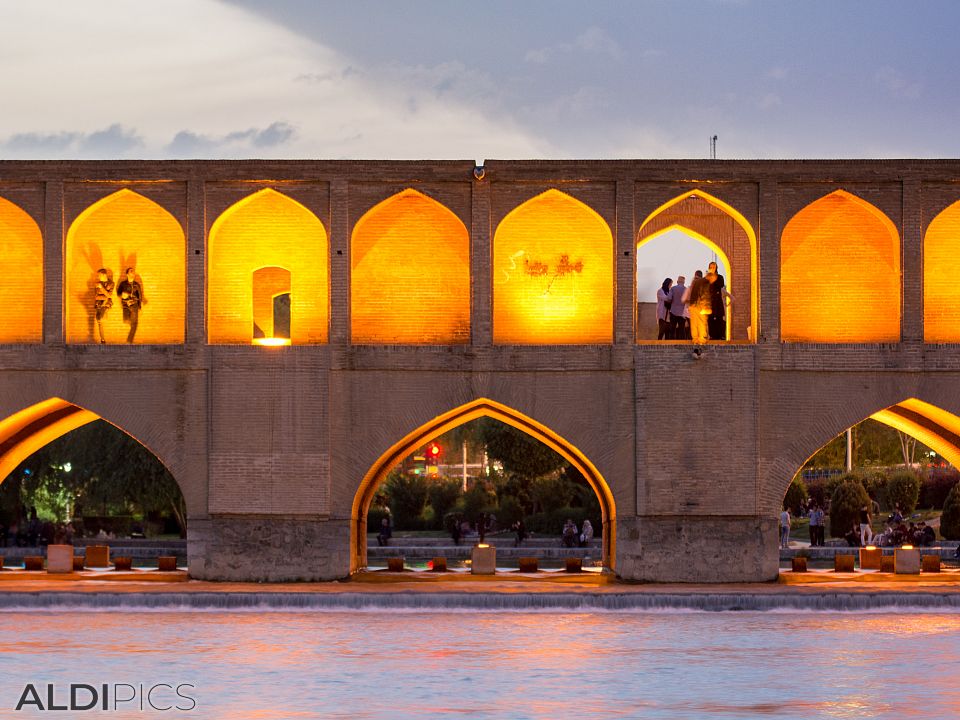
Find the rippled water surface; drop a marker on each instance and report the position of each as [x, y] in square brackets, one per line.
[399, 665]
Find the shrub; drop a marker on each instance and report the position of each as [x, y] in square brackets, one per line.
[476, 500]
[442, 495]
[876, 484]
[903, 489]
[935, 487]
[374, 516]
[845, 506]
[796, 498]
[950, 520]
[406, 496]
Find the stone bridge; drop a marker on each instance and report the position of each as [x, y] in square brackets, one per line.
[307, 323]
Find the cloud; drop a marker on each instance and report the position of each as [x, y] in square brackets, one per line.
[188, 144]
[593, 40]
[113, 141]
[896, 83]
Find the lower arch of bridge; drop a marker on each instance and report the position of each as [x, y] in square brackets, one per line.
[935, 427]
[34, 427]
[482, 407]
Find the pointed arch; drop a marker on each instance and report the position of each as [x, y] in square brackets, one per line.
[21, 275]
[721, 256]
[267, 229]
[941, 294]
[410, 273]
[727, 232]
[840, 274]
[553, 275]
[481, 407]
[126, 229]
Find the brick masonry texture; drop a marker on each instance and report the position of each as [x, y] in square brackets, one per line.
[271, 444]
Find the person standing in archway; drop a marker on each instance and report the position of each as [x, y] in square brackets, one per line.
[678, 318]
[663, 311]
[131, 295]
[719, 299]
[102, 300]
[698, 300]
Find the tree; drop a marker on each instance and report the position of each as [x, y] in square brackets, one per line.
[903, 489]
[796, 497]
[407, 496]
[950, 520]
[845, 505]
[519, 452]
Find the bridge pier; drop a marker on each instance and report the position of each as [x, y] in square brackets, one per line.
[268, 548]
[697, 549]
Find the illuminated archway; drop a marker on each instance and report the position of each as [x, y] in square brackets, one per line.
[722, 260]
[267, 229]
[725, 231]
[481, 407]
[553, 277]
[941, 295]
[840, 273]
[21, 276]
[123, 230]
[410, 274]
[271, 295]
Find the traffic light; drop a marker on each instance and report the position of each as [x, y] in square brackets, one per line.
[433, 453]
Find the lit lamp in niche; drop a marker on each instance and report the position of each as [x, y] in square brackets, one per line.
[271, 306]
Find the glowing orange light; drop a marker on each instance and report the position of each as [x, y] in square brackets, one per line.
[21, 275]
[870, 547]
[434, 450]
[264, 245]
[123, 230]
[906, 547]
[941, 293]
[483, 545]
[271, 342]
[553, 273]
[410, 276]
[834, 241]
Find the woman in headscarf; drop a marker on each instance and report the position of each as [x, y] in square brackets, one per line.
[663, 311]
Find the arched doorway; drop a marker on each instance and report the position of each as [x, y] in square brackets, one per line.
[482, 407]
[723, 232]
[21, 275]
[835, 241]
[66, 458]
[126, 230]
[941, 246]
[410, 274]
[261, 243]
[553, 274]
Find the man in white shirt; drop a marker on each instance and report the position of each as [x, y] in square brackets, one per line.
[678, 321]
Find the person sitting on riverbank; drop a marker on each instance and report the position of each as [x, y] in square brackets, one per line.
[586, 534]
[386, 532]
[569, 534]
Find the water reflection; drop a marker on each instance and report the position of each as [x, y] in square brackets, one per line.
[502, 665]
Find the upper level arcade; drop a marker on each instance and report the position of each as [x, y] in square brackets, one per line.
[394, 254]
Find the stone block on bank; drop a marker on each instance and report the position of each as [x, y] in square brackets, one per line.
[886, 564]
[870, 558]
[59, 558]
[33, 562]
[122, 563]
[798, 564]
[483, 560]
[528, 565]
[573, 565]
[906, 561]
[167, 563]
[395, 564]
[78, 561]
[439, 564]
[843, 563]
[97, 556]
[930, 563]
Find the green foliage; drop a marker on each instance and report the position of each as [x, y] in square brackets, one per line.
[551, 493]
[510, 512]
[845, 505]
[796, 497]
[406, 497]
[110, 473]
[903, 489]
[478, 499]
[551, 523]
[442, 496]
[875, 483]
[950, 520]
[874, 444]
[519, 452]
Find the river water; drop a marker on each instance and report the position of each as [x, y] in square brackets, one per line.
[400, 664]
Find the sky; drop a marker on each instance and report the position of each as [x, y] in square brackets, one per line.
[448, 79]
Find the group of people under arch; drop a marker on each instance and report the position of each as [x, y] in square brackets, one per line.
[696, 312]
